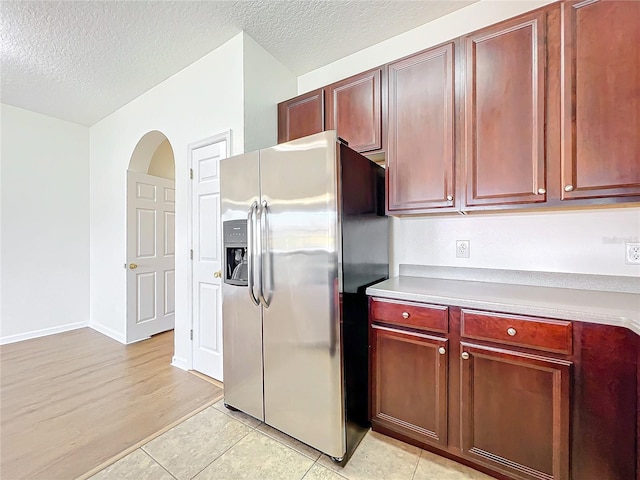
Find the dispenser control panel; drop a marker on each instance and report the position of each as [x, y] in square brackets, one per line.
[234, 233]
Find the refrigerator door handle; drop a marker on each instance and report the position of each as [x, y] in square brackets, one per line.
[251, 230]
[263, 249]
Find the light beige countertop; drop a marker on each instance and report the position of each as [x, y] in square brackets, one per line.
[595, 306]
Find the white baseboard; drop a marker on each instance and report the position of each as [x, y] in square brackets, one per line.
[181, 363]
[41, 333]
[109, 332]
[138, 340]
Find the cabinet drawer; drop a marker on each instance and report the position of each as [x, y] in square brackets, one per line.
[414, 315]
[539, 333]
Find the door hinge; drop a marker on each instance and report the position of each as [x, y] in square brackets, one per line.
[191, 173]
[191, 253]
[191, 334]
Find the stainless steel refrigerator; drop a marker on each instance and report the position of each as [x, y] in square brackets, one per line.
[304, 233]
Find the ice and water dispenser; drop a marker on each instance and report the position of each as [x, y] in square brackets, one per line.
[235, 252]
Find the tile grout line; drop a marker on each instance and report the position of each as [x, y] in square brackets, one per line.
[308, 470]
[270, 436]
[156, 461]
[259, 432]
[219, 456]
[288, 446]
[334, 471]
[417, 463]
[107, 463]
[329, 469]
[325, 468]
[237, 419]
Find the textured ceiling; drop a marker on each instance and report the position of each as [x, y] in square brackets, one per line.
[82, 60]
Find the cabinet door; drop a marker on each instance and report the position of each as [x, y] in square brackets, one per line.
[515, 412]
[504, 113]
[354, 110]
[600, 154]
[409, 384]
[421, 157]
[301, 116]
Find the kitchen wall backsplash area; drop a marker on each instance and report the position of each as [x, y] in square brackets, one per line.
[577, 241]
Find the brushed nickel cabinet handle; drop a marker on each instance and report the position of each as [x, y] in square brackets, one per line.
[511, 331]
[541, 191]
[465, 356]
[442, 351]
[405, 314]
[449, 197]
[568, 188]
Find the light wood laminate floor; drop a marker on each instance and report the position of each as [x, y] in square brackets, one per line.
[71, 401]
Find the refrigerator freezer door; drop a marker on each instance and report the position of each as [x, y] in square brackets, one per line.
[242, 320]
[303, 383]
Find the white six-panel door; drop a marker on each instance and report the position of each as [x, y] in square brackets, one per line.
[207, 250]
[150, 255]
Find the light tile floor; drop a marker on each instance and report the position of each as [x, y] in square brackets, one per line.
[220, 444]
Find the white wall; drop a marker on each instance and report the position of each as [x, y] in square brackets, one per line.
[579, 241]
[203, 99]
[266, 83]
[584, 241]
[45, 225]
[235, 87]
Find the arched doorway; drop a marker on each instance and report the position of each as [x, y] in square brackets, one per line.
[150, 238]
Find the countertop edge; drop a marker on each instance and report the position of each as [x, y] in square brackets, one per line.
[580, 315]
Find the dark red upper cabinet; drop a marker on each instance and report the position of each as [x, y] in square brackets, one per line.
[420, 155]
[354, 110]
[504, 112]
[301, 116]
[600, 96]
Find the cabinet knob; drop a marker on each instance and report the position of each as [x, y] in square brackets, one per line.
[465, 356]
[449, 197]
[511, 331]
[541, 191]
[442, 351]
[568, 188]
[405, 314]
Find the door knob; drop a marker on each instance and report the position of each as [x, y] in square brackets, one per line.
[217, 274]
[133, 266]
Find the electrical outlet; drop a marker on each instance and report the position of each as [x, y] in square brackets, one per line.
[462, 249]
[633, 253]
